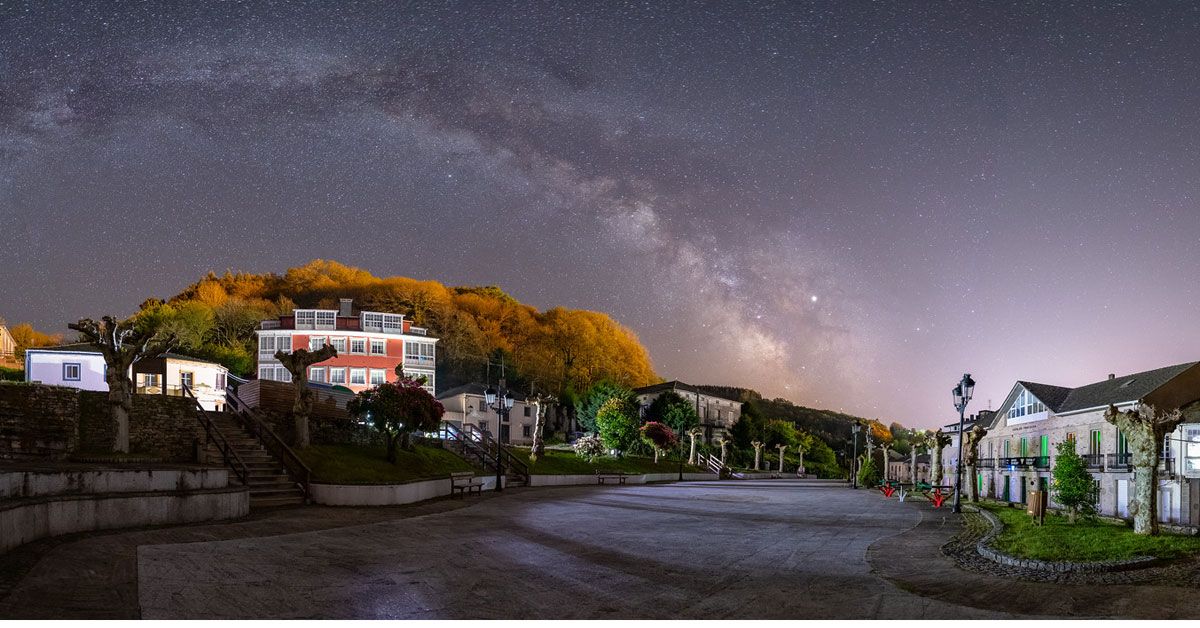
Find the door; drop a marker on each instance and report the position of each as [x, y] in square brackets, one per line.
[1007, 488]
[1193, 488]
[1164, 505]
[1123, 498]
[1023, 490]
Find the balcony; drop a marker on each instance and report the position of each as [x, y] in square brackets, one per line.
[1034, 462]
[419, 362]
[1093, 461]
[986, 463]
[269, 325]
[418, 331]
[1119, 462]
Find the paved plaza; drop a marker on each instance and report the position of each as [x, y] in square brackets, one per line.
[719, 550]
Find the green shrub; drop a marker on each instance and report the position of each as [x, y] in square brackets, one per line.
[11, 375]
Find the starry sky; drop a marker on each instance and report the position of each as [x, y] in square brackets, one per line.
[846, 204]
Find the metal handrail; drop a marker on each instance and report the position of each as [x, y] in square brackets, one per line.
[489, 444]
[295, 467]
[229, 455]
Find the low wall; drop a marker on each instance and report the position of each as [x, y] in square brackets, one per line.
[25, 520]
[385, 494]
[17, 484]
[645, 478]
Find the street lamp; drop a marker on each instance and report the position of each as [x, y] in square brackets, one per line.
[962, 394]
[855, 429]
[501, 402]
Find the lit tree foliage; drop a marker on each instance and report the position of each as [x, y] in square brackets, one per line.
[1071, 484]
[659, 436]
[671, 409]
[398, 410]
[598, 395]
[617, 424]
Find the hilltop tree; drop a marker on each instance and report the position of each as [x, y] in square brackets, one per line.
[123, 342]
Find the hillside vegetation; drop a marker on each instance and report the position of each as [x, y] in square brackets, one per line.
[559, 351]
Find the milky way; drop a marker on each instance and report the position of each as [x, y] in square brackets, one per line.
[844, 204]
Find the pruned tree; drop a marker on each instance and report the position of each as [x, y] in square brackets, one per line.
[937, 442]
[782, 449]
[694, 433]
[541, 403]
[1144, 428]
[297, 363]
[916, 446]
[398, 410]
[971, 457]
[758, 448]
[884, 447]
[123, 342]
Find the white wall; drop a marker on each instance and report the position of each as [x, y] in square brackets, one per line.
[47, 367]
[204, 380]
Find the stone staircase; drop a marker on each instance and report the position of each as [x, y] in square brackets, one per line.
[268, 481]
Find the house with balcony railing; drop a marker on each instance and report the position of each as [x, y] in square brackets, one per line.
[1018, 453]
[371, 346]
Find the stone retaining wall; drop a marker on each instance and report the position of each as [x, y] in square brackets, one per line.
[983, 546]
[25, 520]
[19, 484]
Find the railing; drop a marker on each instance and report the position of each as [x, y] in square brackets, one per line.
[1037, 462]
[426, 362]
[1041, 462]
[986, 463]
[1093, 461]
[1118, 462]
[295, 467]
[269, 325]
[1167, 466]
[467, 444]
[419, 331]
[506, 457]
[213, 435]
[712, 462]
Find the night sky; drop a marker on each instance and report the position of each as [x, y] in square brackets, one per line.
[846, 204]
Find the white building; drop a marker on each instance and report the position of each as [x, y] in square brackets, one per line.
[1018, 452]
[75, 366]
[8, 348]
[717, 413]
[370, 346]
[82, 366]
[466, 405]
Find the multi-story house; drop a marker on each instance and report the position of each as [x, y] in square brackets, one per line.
[467, 405]
[8, 348]
[717, 413]
[370, 346]
[1018, 453]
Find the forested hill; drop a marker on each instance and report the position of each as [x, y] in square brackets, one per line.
[560, 351]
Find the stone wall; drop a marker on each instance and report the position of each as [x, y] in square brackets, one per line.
[52, 422]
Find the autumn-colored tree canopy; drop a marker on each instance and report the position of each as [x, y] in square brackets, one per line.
[559, 351]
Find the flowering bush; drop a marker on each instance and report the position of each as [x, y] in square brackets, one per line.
[590, 447]
[658, 435]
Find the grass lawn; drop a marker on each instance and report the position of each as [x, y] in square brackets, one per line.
[1059, 540]
[557, 462]
[351, 464]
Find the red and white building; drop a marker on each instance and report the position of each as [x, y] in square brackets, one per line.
[370, 345]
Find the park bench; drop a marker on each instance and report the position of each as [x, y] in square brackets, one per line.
[938, 494]
[464, 482]
[601, 477]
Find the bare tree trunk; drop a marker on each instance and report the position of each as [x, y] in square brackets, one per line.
[297, 363]
[391, 447]
[120, 407]
[1144, 428]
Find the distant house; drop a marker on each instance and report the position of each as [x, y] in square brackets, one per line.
[168, 373]
[370, 346]
[718, 413]
[81, 366]
[75, 365]
[8, 348]
[466, 405]
[900, 467]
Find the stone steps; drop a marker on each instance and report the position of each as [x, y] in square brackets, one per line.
[267, 479]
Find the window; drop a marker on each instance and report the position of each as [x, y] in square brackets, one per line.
[326, 319]
[316, 374]
[1006, 449]
[1071, 436]
[372, 321]
[339, 344]
[378, 347]
[1045, 446]
[393, 323]
[337, 375]
[527, 410]
[315, 343]
[221, 383]
[267, 344]
[358, 345]
[1094, 443]
[527, 431]
[1024, 446]
[358, 376]
[378, 376]
[1025, 404]
[418, 352]
[187, 378]
[306, 319]
[72, 371]
[149, 380]
[266, 372]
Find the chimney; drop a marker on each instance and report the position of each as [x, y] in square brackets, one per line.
[346, 309]
[1112, 375]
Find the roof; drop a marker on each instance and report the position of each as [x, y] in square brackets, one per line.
[76, 347]
[1120, 390]
[474, 388]
[1052, 396]
[179, 356]
[675, 385]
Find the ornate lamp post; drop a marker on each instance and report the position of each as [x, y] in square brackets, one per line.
[500, 401]
[962, 396]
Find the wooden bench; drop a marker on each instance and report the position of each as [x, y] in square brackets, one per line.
[601, 477]
[464, 482]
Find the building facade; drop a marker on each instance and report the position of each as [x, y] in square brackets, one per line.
[1018, 453]
[8, 348]
[466, 405]
[168, 373]
[717, 413]
[370, 347]
[74, 366]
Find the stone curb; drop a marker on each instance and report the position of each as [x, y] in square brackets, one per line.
[983, 547]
